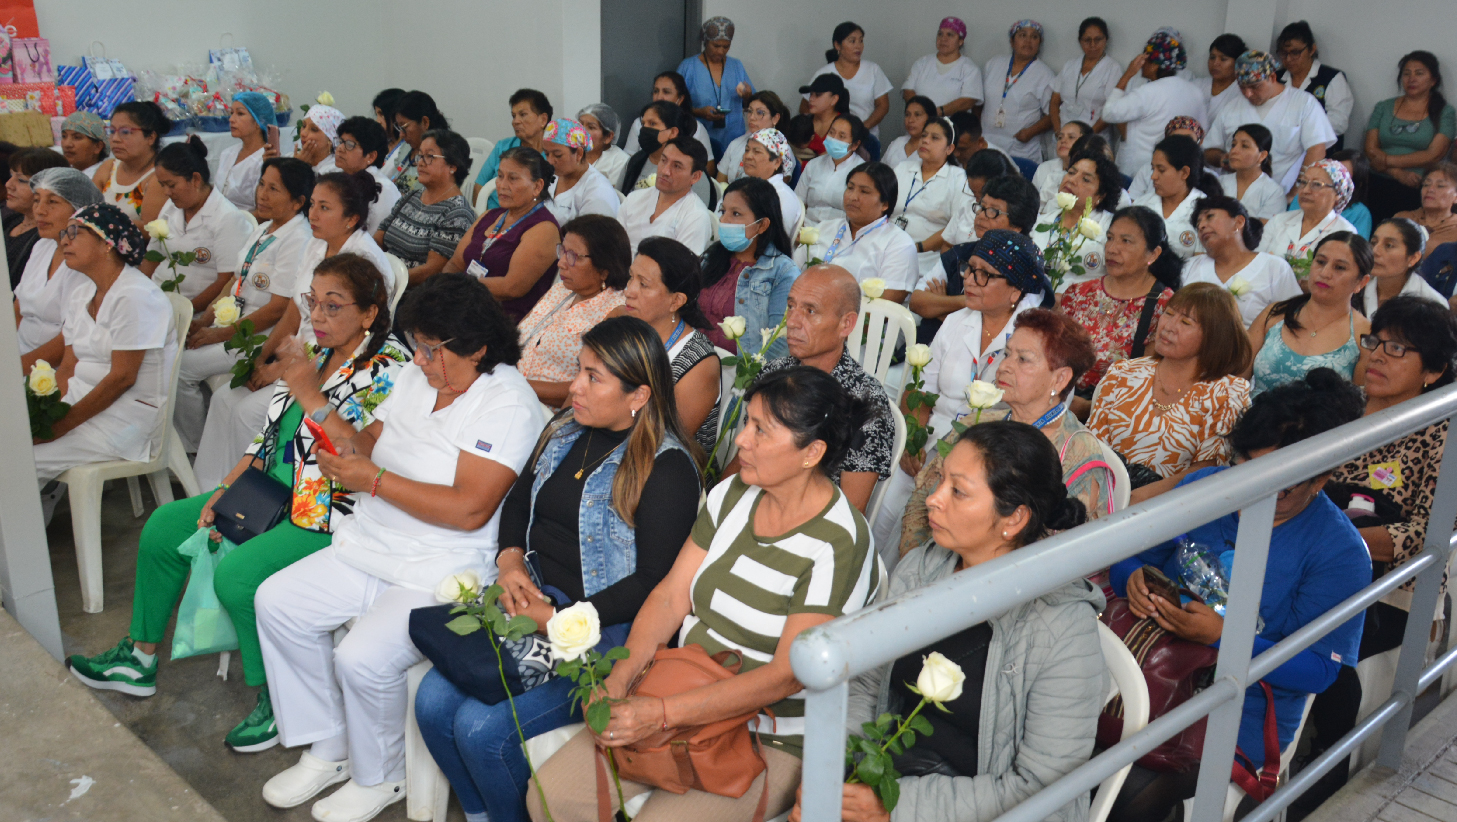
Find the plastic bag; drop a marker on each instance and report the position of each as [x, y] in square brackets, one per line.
[203, 624]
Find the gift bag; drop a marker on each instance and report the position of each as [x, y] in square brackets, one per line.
[33, 60]
[102, 67]
[7, 55]
[203, 624]
[78, 78]
[65, 100]
[229, 58]
[108, 94]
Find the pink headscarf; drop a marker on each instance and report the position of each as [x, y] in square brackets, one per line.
[327, 118]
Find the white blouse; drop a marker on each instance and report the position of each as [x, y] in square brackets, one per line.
[1091, 251]
[925, 207]
[593, 194]
[944, 82]
[43, 297]
[1415, 286]
[1048, 179]
[1179, 226]
[389, 194]
[1267, 279]
[881, 249]
[1216, 102]
[1296, 122]
[215, 234]
[1084, 95]
[868, 85]
[239, 180]
[612, 163]
[314, 252]
[822, 186]
[1263, 199]
[1283, 238]
[1007, 110]
[273, 271]
[1147, 110]
[895, 153]
[957, 358]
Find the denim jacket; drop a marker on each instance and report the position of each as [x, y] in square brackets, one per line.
[608, 545]
[760, 298]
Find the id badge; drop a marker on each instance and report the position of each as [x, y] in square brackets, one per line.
[475, 269]
[902, 222]
[1001, 121]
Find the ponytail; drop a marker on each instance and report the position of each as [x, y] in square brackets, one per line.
[186, 158]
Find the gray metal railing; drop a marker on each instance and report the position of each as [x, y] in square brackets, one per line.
[826, 657]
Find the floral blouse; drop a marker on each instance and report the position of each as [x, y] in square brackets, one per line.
[1111, 323]
[355, 393]
[551, 335]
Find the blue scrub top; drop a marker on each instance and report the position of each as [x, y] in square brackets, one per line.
[703, 92]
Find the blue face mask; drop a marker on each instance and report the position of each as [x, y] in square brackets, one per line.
[837, 149]
[734, 237]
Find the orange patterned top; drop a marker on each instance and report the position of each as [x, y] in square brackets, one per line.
[125, 197]
[551, 335]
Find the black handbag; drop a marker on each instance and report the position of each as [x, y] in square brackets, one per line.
[253, 504]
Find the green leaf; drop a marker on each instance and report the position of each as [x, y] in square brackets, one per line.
[569, 669]
[943, 448]
[907, 737]
[522, 621]
[921, 724]
[885, 720]
[890, 792]
[602, 667]
[154, 257]
[871, 732]
[491, 594]
[896, 747]
[618, 653]
[870, 769]
[867, 747]
[599, 713]
[464, 625]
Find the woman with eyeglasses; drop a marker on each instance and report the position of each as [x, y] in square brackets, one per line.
[415, 114]
[384, 105]
[338, 381]
[1405, 135]
[1081, 90]
[762, 109]
[1301, 68]
[126, 179]
[362, 147]
[513, 249]
[19, 221]
[1396, 247]
[431, 471]
[1323, 189]
[593, 259]
[1438, 214]
[426, 225]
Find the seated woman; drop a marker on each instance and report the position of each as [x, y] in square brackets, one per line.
[136, 137]
[531, 113]
[1323, 189]
[919, 111]
[1438, 212]
[83, 142]
[623, 413]
[46, 283]
[1339, 271]
[1140, 268]
[19, 224]
[1169, 412]
[200, 221]
[825, 98]
[438, 459]
[337, 384]
[762, 109]
[1229, 235]
[362, 147]
[1397, 247]
[670, 87]
[1050, 173]
[780, 512]
[748, 272]
[415, 114]
[513, 249]
[240, 165]
[1405, 135]
[768, 157]
[1356, 212]
[663, 292]
[397, 150]
[1003, 278]
[120, 344]
[601, 122]
[1248, 179]
[261, 291]
[1029, 718]
[933, 193]
[425, 226]
[1090, 176]
[592, 267]
[822, 185]
[318, 135]
[1142, 183]
[339, 206]
[1046, 354]
[1316, 560]
[579, 188]
[865, 242]
[1179, 183]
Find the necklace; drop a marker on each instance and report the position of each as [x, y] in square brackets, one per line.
[588, 450]
[1163, 408]
[1324, 327]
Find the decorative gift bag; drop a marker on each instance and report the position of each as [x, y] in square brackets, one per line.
[102, 67]
[7, 55]
[33, 60]
[77, 77]
[108, 95]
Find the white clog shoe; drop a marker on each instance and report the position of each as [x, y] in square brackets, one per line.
[356, 803]
[303, 781]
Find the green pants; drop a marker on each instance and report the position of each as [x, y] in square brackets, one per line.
[161, 573]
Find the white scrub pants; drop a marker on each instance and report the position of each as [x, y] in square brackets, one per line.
[234, 417]
[356, 690]
[82, 445]
[190, 411]
[886, 530]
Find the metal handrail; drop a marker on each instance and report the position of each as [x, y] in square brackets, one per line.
[826, 657]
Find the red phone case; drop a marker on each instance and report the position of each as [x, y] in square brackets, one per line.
[322, 437]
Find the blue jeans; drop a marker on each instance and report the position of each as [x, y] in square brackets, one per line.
[476, 745]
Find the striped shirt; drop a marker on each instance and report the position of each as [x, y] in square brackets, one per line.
[413, 230]
[748, 586]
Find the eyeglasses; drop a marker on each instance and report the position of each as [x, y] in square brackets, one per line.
[1371, 342]
[568, 257]
[125, 131]
[1315, 186]
[70, 232]
[427, 159]
[991, 212]
[983, 278]
[1287, 53]
[1406, 128]
[399, 129]
[428, 351]
[1436, 181]
[330, 309]
[347, 145]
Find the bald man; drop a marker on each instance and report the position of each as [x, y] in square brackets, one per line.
[823, 306]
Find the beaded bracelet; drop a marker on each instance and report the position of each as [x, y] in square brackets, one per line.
[222, 486]
[374, 489]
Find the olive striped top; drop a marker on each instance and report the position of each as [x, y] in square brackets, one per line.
[748, 586]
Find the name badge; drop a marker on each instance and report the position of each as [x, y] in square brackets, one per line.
[902, 222]
[475, 269]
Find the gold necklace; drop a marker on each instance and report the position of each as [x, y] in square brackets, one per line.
[1324, 327]
[1154, 397]
[585, 452]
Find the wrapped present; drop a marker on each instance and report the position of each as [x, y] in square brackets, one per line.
[65, 100]
[19, 97]
[77, 77]
[107, 95]
[27, 128]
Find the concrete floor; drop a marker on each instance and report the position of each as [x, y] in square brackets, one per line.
[193, 709]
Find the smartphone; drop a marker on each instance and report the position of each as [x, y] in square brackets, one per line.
[1160, 585]
[273, 137]
[319, 435]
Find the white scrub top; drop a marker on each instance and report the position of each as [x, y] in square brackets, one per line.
[1084, 95]
[1296, 123]
[273, 269]
[1142, 182]
[1091, 251]
[1048, 179]
[43, 297]
[239, 180]
[1009, 109]
[498, 418]
[1180, 225]
[358, 243]
[924, 207]
[686, 221]
[1263, 199]
[790, 208]
[868, 85]
[1216, 102]
[1416, 286]
[1147, 110]
[613, 163]
[1336, 94]
[389, 194]
[895, 153]
[1283, 238]
[134, 316]
[593, 194]
[821, 187]
[881, 249]
[944, 82]
[732, 163]
[957, 359]
[216, 234]
[1266, 279]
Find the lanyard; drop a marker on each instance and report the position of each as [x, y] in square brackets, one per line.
[1009, 80]
[258, 248]
[495, 233]
[1046, 419]
[673, 338]
[915, 192]
[991, 355]
[840, 235]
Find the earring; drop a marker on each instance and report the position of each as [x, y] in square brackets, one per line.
[634, 413]
[806, 463]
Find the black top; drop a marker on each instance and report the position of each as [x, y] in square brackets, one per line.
[667, 509]
[953, 262]
[17, 248]
[952, 749]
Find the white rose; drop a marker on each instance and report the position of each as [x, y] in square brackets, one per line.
[573, 631]
[765, 334]
[1238, 286]
[159, 230]
[918, 355]
[873, 288]
[809, 235]
[940, 680]
[324, 99]
[225, 312]
[1089, 228]
[1065, 201]
[42, 379]
[982, 394]
[733, 327]
[449, 588]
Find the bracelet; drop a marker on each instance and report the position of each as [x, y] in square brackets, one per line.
[374, 489]
[504, 551]
[222, 486]
[664, 703]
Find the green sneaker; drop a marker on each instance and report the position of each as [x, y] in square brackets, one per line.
[259, 731]
[116, 670]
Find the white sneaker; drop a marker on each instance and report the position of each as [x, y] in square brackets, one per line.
[303, 781]
[356, 803]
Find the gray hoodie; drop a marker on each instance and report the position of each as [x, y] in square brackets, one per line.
[1045, 684]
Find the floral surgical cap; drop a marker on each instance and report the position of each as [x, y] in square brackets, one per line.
[327, 118]
[1254, 67]
[956, 24]
[718, 28]
[1166, 50]
[1185, 123]
[569, 133]
[116, 229]
[1025, 24]
[1340, 179]
[778, 146]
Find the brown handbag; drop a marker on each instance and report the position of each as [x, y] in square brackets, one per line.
[721, 758]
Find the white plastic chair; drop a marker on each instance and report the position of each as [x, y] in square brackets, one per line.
[84, 482]
[480, 149]
[402, 281]
[1122, 485]
[483, 195]
[713, 226]
[726, 399]
[252, 221]
[882, 324]
[427, 791]
[878, 495]
[1129, 683]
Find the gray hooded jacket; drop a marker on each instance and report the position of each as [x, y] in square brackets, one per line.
[1045, 684]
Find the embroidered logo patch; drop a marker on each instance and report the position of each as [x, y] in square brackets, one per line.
[204, 254]
[1187, 238]
[260, 281]
[1335, 657]
[1092, 260]
[482, 445]
[1385, 475]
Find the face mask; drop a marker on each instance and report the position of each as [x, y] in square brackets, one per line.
[734, 237]
[647, 139]
[837, 149]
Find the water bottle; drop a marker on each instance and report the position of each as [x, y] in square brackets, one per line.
[1204, 573]
[1360, 506]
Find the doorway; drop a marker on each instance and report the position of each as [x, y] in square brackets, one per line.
[641, 38]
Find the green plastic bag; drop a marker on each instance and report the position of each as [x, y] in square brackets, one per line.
[203, 624]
